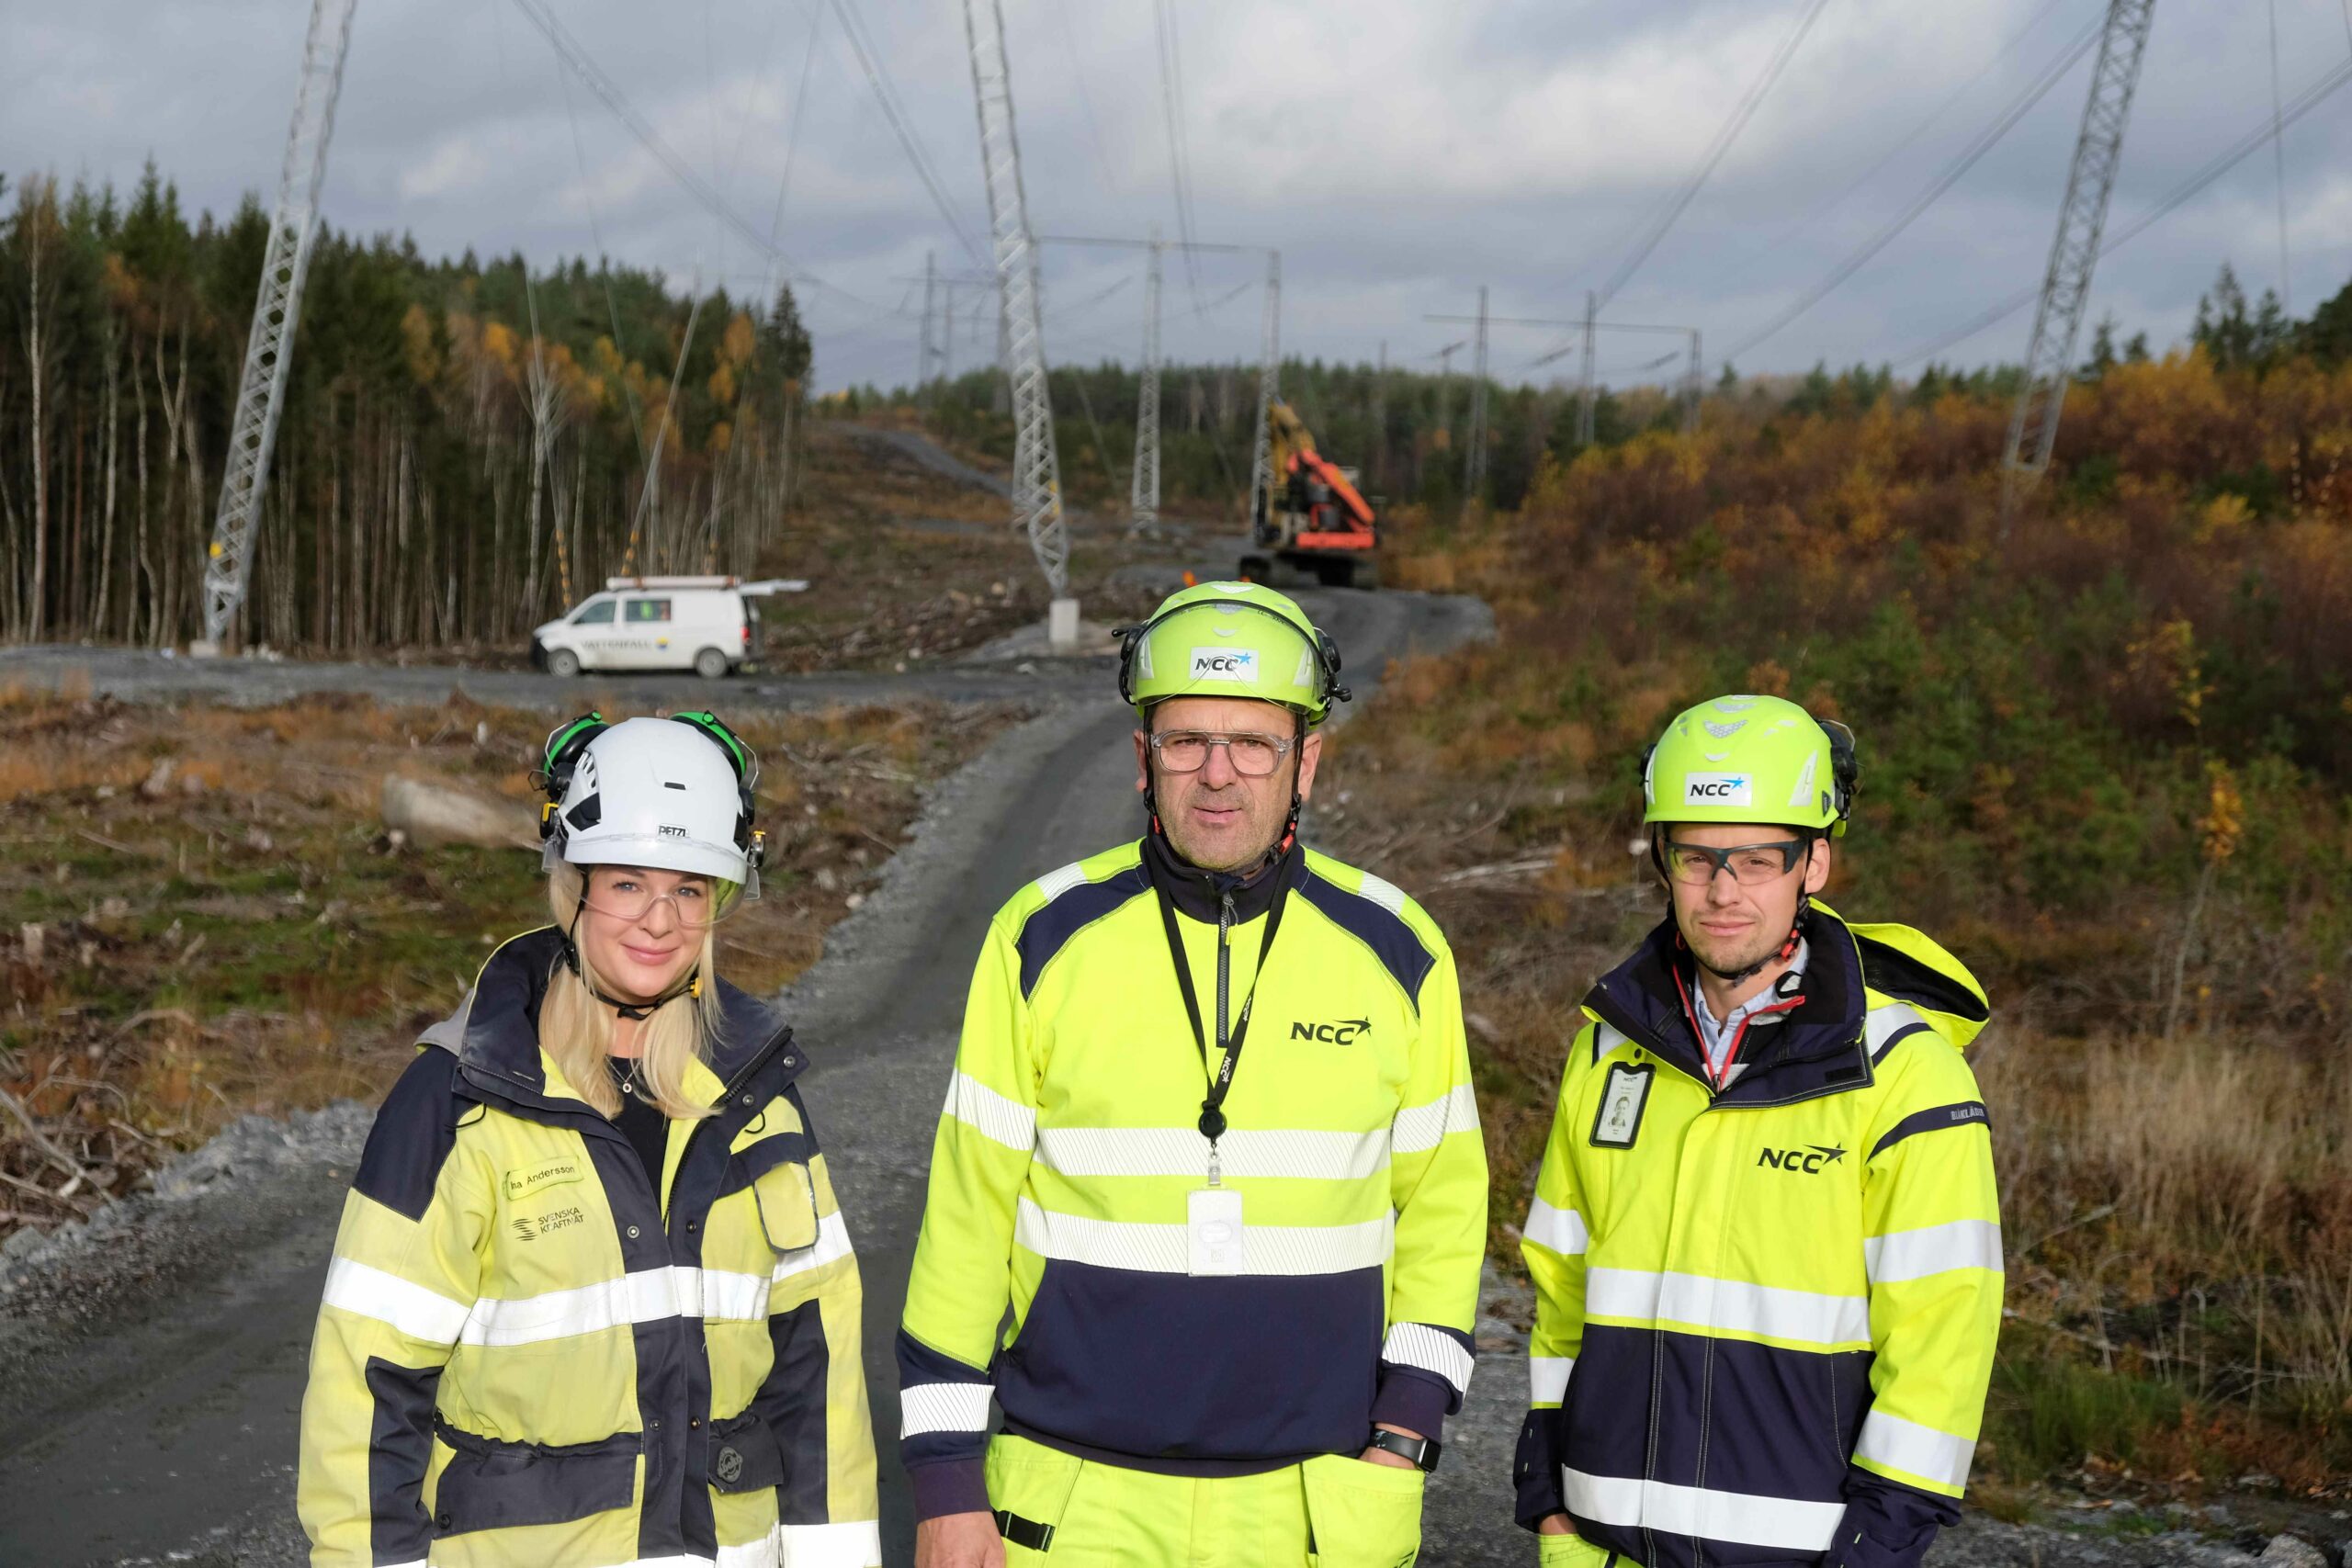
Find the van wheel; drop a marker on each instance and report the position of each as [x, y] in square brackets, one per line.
[710, 664]
[563, 664]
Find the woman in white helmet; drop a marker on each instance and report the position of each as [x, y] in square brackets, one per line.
[592, 1301]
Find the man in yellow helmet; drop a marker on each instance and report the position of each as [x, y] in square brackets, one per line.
[1766, 1241]
[1222, 1299]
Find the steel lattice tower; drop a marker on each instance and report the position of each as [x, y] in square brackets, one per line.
[1474, 459]
[1036, 469]
[1268, 388]
[2066, 288]
[1143, 495]
[261, 389]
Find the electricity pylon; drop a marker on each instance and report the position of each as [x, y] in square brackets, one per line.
[1036, 467]
[1269, 389]
[1473, 461]
[277, 309]
[1143, 499]
[2066, 287]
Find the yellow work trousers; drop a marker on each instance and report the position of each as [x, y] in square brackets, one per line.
[1331, 1512]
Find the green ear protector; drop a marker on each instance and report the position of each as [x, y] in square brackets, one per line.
[1326, 651]
[569, 742]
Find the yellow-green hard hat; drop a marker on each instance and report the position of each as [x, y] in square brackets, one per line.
[1742, 758]
[1230, 639]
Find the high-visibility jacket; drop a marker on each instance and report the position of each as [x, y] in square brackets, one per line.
[1068, 1148]
[1766, 1314]
[528, 1356]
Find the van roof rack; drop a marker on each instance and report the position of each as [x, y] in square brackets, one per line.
[764, 585]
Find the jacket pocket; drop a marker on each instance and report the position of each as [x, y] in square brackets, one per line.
[1361, 1514]
[786, 1202]
[1573, 1551]
[1030, 1486]
[490, 1484]
[744, 1455]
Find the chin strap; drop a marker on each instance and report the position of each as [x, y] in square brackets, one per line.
[636, 1012]
[1788, 950]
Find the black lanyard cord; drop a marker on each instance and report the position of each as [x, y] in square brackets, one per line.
[1211, 1123]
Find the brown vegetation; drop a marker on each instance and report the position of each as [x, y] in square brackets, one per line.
[208, 918]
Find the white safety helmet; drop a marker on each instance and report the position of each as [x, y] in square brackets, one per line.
[669, 794]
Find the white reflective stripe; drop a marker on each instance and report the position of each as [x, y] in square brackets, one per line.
[1161, 1250]
[411, 1308]
[1054, 883]
[855, 1545]
[1734, 1305]
[760, 1553]
[832, 1245]
[1562, 1230]
[1914, 1449]
[1420, 1127]
[975, 1104]
[1419, 1344]
[1882, 1024]
[1745, 1517]
[1385, 894]
[1547, 1378]
[1932, 1249]
[943, 1407]
[1181, 1151]
[648, 1295]
[734, 1298]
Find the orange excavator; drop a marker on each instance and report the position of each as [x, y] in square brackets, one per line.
[1315, 524]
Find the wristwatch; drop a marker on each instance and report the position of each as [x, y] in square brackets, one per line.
[1421, 1451]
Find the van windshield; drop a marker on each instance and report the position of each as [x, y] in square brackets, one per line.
[597, 612]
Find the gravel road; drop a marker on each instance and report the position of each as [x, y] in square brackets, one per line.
[151, 1373]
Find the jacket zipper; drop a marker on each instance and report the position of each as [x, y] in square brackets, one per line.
[1224, 966]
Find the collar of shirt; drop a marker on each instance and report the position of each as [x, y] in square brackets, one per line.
[1715, 1038]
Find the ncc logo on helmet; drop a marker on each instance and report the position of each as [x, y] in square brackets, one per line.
[1236, 664]
[1717, 789]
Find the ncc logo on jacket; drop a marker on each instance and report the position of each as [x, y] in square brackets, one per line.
[1344, 1032]
[1807, 1160]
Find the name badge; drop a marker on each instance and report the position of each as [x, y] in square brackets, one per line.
[1623, 1097]
[1213, 1230]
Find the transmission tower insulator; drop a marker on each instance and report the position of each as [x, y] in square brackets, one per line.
[277, 309]
[1270, 360]
[1144, 496]
[2066, 287]
[1036, 469]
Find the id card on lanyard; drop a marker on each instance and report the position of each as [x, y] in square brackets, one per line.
[1214, 1233]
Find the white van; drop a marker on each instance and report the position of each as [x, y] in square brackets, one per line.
[708, 625]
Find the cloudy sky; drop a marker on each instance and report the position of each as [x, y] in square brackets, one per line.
[1399, 153]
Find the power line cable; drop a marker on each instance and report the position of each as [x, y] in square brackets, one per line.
[1725, 136]
[2222, 163]
[878, 77]
[1086, 99]
[1985, 141]
[591, 75]
[1171, 93]
[2278, 156]
[1812, 219]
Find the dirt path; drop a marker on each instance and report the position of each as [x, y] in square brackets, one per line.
[150, 1409]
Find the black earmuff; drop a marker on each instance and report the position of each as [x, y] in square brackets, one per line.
[1845, 767]
[566, 743]
[746, 764]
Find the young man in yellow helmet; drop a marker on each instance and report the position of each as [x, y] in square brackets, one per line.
[1766, 1241]
[1222, 1297]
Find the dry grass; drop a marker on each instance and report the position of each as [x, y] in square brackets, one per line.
[207, 917]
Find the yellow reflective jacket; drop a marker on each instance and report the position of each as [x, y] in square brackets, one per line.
[1766, 1314]
[526, 1357]
[1068, 1149]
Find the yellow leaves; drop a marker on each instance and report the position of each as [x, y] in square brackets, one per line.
[722, 435]
[2224, 817]
[721, 385]
[2169, 655]
[502, 349]
[418, 350]
[2223, 517]
[1767, 679]
[739, 342]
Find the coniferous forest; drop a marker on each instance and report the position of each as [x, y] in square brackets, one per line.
[465, 444]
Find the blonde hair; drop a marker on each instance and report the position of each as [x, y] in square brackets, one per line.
[576, 1029]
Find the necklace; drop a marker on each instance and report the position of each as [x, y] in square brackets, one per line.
[625, 1075]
